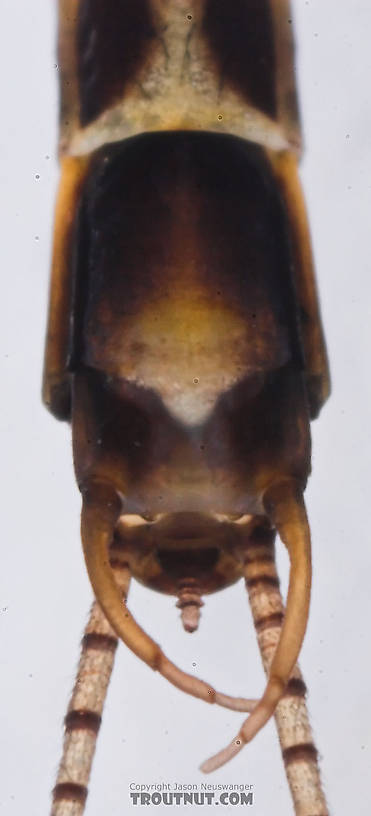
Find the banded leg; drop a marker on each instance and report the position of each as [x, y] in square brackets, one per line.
[84, 713]
[291, 715]
[284, 505]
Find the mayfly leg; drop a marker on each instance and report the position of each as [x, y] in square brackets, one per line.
[292, 719]
[84, 713]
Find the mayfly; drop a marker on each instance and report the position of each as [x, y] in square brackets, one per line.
[184, 343]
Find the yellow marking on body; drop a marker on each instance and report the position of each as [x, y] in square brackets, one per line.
[190, 349]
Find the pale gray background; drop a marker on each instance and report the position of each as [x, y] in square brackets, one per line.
[155, 733]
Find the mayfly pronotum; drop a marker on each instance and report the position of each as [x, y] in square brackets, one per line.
[199, 738]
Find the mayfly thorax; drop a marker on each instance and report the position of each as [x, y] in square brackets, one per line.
[184, 341]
